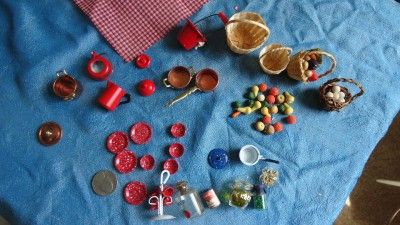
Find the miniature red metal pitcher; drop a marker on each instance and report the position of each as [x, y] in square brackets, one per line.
[191, 37]
[112, 96]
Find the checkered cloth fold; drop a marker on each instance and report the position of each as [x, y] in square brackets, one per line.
[132, 26]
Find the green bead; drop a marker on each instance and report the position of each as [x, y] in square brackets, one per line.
[236, 104]
[281, 108]
[250, 103]
[251, 95]
[264, 104]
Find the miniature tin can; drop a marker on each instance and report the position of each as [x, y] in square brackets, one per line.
[211, 199]
[66, 87]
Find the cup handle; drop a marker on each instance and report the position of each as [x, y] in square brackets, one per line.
[61, 73]
[127, 100]
[166, 83]
[262, 158]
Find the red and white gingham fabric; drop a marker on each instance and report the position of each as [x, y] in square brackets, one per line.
[132, 26]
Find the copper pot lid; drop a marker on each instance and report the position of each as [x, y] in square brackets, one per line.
[49, 133]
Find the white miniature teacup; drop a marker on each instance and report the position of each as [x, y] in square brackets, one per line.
[249, 155]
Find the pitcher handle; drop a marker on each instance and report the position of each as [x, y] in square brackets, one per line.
[127, 99]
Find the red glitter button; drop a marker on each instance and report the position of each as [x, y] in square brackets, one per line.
[117, 142]
[135, 193]
[147, 162]
[171, 165]
[143, 61]
[168, 191]
[125, 161]
[178, 130]
[176, 150]
[141, 133]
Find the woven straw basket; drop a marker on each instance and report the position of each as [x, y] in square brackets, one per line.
[274, 58]
[331, 105]
[296, 70]
[245, 32]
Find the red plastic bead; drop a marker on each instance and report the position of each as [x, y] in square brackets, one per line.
[291, 119]
[314, 76]
[270, 99]
[274, 91]
[146, 87]
[267, 119]
[143, 61]
[278, 127]
[262, 87]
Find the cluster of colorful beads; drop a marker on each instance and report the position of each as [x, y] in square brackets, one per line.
[310, 64]
[268, 102]
[336, 94]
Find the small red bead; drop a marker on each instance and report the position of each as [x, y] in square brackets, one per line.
[271, 99]
[314, 76]
[146, 87]
[278, 127]
[291, 119]
[262, 87]
[266, 119]
[143, 61]
[274, 91]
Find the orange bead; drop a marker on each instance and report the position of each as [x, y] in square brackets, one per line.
[291, 119]
[278, 127]
[262, 87]
[267, 119]
[274, 91]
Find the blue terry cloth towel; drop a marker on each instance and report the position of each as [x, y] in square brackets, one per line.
[321, 157]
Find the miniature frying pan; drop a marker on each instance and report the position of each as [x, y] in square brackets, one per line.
[206, 81]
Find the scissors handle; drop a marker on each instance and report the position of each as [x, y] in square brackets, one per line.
[182, 96]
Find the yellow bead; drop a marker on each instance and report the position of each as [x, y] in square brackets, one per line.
[280, 99]
[289, 99]
[260, 126]
[269, 129]
[265, 111]
[273, 109]
[245, 110]
[257, 105]
[255, 90]
[288, 110]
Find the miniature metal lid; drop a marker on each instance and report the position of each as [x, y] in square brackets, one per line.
[141, 133]
[125, 161]
[117, 142]
[143, 61]
[171, 165]
[135, 193]
[147, 162]
[218, 158]
[49, 133]
[178, 130]
[176, 150]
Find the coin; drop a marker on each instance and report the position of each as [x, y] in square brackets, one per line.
[104, 182]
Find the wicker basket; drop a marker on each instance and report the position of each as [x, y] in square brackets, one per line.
[329, 103]
[274, 58]
[296, 70]
[245, 32]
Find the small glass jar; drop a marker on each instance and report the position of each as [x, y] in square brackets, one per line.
[260, 198]
[189, 200]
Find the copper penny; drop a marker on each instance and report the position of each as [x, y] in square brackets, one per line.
[49, 133]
